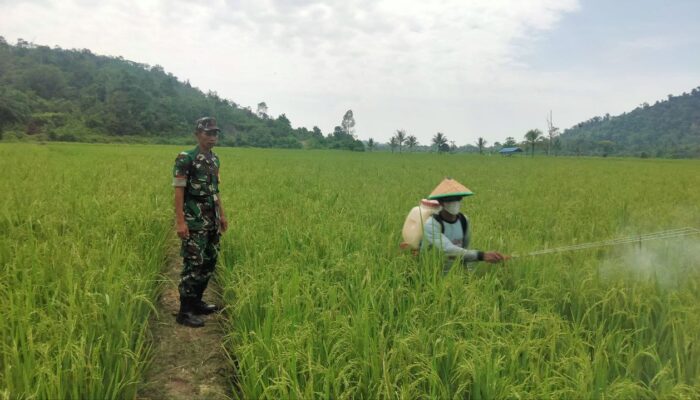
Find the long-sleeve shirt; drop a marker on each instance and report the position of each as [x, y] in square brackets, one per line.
[453, 242]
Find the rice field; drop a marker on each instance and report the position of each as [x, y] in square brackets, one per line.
[83, 233]
[321, 302]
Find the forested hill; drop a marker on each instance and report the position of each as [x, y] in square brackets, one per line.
[669, 128]
[74, 95]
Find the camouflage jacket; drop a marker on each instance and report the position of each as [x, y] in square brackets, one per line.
[201, 183]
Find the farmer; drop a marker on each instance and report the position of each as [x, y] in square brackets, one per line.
[448, 230]
[200, 220]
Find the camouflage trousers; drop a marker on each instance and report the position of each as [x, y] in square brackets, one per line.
[199, 253]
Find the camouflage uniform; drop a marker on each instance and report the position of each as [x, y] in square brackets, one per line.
[201, 248]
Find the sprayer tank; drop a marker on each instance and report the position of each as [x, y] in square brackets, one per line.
[413, 226]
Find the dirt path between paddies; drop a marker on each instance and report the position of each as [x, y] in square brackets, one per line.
[188, 363]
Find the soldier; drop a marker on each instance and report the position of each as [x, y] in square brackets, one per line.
[200, 220]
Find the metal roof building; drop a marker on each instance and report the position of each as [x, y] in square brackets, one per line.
[506, 151]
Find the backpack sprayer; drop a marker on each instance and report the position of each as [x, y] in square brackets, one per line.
[638, 239]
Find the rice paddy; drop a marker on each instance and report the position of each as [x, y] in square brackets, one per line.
[322, 303]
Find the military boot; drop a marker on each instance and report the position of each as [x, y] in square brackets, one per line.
[202, 308]
[186, 316]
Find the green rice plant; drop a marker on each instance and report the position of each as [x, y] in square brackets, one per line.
[322, 304]
[83, 235]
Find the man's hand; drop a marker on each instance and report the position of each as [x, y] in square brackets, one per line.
[223, 224]
[182, 231]
[494, 257]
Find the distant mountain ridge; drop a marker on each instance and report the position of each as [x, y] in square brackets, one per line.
[668, 128]
[75, 95]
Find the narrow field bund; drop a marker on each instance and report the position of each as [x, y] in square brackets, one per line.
[320, 301]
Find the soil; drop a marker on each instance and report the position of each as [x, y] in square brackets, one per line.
[187, 363]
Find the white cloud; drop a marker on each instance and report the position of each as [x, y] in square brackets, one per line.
[420, 65]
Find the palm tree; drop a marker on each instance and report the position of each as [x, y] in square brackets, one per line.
[411, 142]
[370, 144]
[440, 142]
[393, 143]
[481, 143]
[531, 136]
[400, 138]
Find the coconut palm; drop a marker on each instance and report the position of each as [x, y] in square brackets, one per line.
[531, 137]
[393, 143]
[481, 143]
[400, 138]
[440, 142]
[411, 142]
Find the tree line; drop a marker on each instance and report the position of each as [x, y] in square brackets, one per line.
[74, 95]
[439, 143]
[668, 128]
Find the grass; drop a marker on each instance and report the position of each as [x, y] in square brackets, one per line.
[82, 232]
[324, 305]
[321, 301]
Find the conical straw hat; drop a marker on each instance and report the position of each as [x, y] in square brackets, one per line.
[449, 188]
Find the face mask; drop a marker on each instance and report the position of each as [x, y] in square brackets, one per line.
[452, 207]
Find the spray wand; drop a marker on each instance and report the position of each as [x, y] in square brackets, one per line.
[669, 234]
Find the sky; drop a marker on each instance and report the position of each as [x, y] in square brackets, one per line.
[466, 68]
